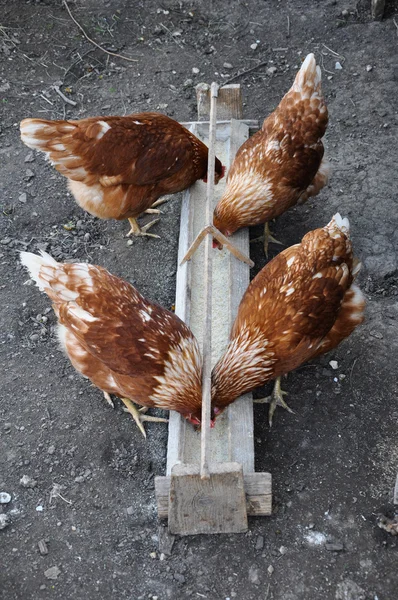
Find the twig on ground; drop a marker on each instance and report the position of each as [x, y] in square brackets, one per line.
[395, 23]
[261, 64]
[92, 41]
[288, 26]
[333, 52]
[46, 99]
[64, 98]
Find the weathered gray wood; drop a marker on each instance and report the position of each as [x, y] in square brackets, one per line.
[258, 492]
[378, 7]
[213, 505]
[229, 102]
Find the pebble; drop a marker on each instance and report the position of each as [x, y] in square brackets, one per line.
[195, 70]
[369, 68]
[5, 498]
[52, 573]
[253, 46]
[4, 521]
[344, 13]
[179, 577]
[86, 237]
[334, 364]
[29, 174]
[130, 510]
[338, 66]
[79, 479]
[187, 83]
[259, 542]
[34, 337]
[282, 550]
[51, 449]
[253, 575]
[30, 157]
[39, 508]
[42, 547]
[5, 241]
[22, 198]
[271, 70]
[349, 590]
[270, 569]
[227, 65]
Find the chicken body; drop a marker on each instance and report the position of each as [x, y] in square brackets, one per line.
[125, 344]
[119, 166]
[303, 303]
[282, 164]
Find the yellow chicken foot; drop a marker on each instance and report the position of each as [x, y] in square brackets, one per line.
[152, 211]
[267, 237]
[139, 415]
[141, 231]
[109, 399]
[160, 201]
[275, 399]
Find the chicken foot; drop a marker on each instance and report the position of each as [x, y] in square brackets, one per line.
[108, 399]
[267, 237]
[274, 400]
[141, 231]
[139, 415]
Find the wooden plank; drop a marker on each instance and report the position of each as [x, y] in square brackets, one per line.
[378, 7]
[258, 488]
[213, 505]
[229, 102]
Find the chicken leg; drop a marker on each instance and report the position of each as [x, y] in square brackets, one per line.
[141, 231]
[139, 415]
[267, 237]
[275, 399]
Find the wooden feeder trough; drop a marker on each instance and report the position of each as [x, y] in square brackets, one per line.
[211, 485]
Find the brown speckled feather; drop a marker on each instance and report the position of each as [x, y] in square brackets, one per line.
[124, 343]
[280, 165]
[118, 166]
[301, 304]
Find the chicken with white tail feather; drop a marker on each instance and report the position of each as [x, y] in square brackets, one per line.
[302, 304]
[281, 165]
[125, 344]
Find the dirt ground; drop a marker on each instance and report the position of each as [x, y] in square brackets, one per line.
[88, 491]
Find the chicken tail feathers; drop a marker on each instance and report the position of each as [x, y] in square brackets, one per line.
[56, 140]
[338, 225]
[308, 79]
[35, 263]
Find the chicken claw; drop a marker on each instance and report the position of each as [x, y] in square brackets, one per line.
[141, 231]
[139, 415]
[108, 399]
[275, 399]
[267, 237]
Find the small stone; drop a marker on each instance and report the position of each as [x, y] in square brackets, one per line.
[43, 586]
[130, 510]
[253, 46]
[86, 237]
[344, 13]
[338, 66]
[334, 546]
[42, 547]
[349, 590]
[52, 573]
[5, 241]
[179, 577]
[39, 508]
[187, 83]
[29, 174]
[30, 157]
[22, 198]
[227, 65]
[259, 542]
[79, 479]
[270, 569]
[253, 575]
[51, 449]
[334, 364]
[369, 68]
[271, 70]
[282, 550]
[195, 70]
[34, 337]
[153, 554]
[4, 521]
[5, 498]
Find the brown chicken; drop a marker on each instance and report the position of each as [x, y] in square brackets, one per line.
[281, 165]
[303, 303]
[119, 166]
[125, 344]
